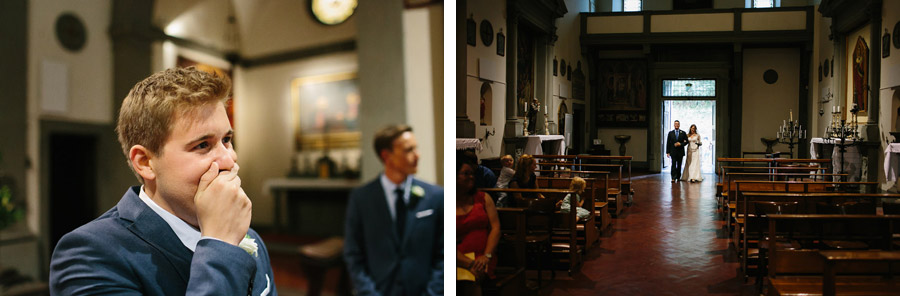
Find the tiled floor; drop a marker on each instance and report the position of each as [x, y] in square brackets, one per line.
[669, 242]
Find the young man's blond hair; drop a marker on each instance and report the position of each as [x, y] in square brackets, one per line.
[154, 105]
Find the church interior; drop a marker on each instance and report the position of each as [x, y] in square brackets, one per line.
[312, 83]
[788, 111]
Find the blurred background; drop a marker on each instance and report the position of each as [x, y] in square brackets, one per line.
[313, 80]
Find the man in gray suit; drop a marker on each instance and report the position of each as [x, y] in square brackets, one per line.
[186, 230]
[393, 241]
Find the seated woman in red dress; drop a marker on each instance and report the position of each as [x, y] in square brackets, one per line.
[477, 229]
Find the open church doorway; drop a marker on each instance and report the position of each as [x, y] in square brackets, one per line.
[688, 112]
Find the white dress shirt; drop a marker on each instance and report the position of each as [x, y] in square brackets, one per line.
[188, 235]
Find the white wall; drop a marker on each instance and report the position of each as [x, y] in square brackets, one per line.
[824, 90]
[89, 77]
[484, 65]
[890, 85]
[83, 88]
[263, 126]
[765, 106]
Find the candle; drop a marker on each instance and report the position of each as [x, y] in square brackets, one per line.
[792, 114]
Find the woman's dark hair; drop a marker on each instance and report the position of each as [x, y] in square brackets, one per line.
[467, 158]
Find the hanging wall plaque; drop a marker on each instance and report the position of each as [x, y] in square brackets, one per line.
[501, 43]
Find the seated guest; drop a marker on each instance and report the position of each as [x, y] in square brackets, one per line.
[484, 177]
[506, 175]
[477, 229]
[186, 230]
[525, 177]
[578, 185]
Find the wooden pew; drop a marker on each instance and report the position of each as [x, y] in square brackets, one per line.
[797, 264]
[585, 162]
[728, 161]
[736, 208]
[806, 204]
[510, 252]
[625, 182]
[587, 229]
[728, 199]
[613, 190]
[569, 253]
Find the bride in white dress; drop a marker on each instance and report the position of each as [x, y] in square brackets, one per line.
[692, 164]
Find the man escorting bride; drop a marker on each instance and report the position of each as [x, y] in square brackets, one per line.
[692, 164]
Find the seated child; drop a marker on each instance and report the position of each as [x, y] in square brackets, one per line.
[578, 185]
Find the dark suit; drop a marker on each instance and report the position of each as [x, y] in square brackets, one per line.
[131, 250]
[677, 153]
[382, 262]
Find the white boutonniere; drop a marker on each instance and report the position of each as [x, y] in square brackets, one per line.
[418, 191]
[249, 245]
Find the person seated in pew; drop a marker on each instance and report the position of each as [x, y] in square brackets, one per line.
[578, 185]
[484, 177]
[506, 175]
[525, 177]
[477, 231]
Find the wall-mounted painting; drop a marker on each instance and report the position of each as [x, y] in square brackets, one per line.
[860, 76]
[326, 111]
[622, 94]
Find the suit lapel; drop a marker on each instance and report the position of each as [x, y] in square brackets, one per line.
[412, 219]
[152, 229]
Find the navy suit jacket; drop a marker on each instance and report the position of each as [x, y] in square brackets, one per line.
[382, 262]
[131, 250]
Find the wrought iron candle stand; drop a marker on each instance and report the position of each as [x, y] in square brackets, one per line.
[839, 135]
[790, 133]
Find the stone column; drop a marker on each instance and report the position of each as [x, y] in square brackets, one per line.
[514, 125]
[382, 80]
[465, 128]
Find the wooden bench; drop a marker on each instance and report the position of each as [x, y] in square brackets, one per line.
[625, 182]
[805, 203]
[613, 190]
[723, 162]
[567, 254]
[585, 162]
[799, 264]
[587, 228]
[728, 199]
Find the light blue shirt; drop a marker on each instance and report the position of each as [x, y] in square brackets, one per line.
[391, 196]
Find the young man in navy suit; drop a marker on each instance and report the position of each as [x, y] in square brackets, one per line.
[186, 230]
[393, 238]
[675, 143]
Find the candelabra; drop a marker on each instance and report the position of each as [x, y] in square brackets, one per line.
[840, 132]
[790, 133]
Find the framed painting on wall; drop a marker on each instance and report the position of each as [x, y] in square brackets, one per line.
[326, 111]
[622, 95]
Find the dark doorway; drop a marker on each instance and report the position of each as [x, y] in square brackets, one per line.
[73, 183]
[578, 128]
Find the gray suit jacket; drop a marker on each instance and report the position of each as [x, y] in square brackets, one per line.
[131, 250]
[381, 261]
